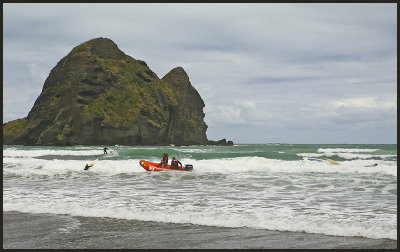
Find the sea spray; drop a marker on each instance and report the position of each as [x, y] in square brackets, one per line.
[266, 187]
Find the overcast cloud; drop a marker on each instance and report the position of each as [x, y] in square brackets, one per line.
[287, 73]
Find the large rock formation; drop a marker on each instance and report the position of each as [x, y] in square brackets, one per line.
[98, 95]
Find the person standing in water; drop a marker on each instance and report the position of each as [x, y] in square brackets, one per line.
[105, 150]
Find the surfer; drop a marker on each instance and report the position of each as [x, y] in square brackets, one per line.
[371, 165]
[87, 167]
[105, 150]
[175, 164]
[164, 160]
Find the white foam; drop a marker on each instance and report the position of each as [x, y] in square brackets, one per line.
[31, 166]
[195, 150]
[102, 194]
[361, 156]
[336, 150]
[351, 153]
[310, 155]
[260, 164]
[282, 219]
[28, 166]
[13, 152]
[346, 153]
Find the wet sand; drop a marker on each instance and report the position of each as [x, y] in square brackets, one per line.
[50, 231]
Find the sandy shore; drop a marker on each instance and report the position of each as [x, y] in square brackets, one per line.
[49, 231]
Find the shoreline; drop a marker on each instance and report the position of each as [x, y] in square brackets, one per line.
[40, 231]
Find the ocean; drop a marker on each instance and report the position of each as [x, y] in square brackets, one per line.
[243, 196]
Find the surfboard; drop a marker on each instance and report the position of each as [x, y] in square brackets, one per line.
[313, 159]
[332, 162]
[91, 164]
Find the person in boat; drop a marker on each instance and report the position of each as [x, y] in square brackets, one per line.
[105, 150]
[164, 160]
[175, 164]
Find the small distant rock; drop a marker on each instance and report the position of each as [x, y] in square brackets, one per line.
[221, 142]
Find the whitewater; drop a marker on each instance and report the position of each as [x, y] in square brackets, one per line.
[269, 187]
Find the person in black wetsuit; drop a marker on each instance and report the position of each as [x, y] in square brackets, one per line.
[105, 150]
[87, 167]
[175, 164]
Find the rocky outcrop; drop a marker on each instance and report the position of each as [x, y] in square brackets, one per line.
[98, 95]
[222, 142]
[12, 131]
[187, 116]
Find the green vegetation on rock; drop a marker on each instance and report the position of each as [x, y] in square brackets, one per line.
[13, 129]
[116, 108]
[99, 95]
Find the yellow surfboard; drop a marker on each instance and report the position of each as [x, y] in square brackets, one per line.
[92, 163]
[332, 162]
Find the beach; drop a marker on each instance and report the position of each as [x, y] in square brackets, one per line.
[50, 231]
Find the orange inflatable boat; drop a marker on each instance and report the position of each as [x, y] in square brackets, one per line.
[151, 166]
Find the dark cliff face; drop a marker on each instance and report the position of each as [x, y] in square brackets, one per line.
[187, 124]
[98, 95]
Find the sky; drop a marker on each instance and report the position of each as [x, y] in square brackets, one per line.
[322, 73]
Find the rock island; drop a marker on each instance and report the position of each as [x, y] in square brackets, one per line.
[98, 95]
